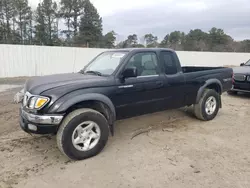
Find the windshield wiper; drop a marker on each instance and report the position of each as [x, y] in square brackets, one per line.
[94, 72]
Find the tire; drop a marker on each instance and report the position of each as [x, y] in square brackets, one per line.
[200, 108]
[69, 126]
[230, 92]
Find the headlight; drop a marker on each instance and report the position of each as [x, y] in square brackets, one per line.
[37, 102]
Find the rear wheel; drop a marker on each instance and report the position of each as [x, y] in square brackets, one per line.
[83, 134]
[208, 106]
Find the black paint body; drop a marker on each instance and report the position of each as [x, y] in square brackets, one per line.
[148, 94]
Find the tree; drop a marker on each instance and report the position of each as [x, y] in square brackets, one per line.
[66, 13]
[1, 34]
[109, 40]
[78, 9]
[217, 39]
[121, 44]
[90, 31]
[71, 10]
[20, 25]
[50, 11]
[2, 24]
[23, 19]
[140, 46]
[165, 42]
[151, 41]
[30, 28]
[196, 40]
[7, 12]
[46, 28]
[230, 45]
[176, 40]
[40, 28]
[132, 41]
[245, 46]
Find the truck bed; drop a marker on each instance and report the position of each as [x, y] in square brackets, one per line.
[188, 69]
[201, 74]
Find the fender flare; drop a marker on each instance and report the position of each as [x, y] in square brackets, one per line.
[64, 104]
[207, 83]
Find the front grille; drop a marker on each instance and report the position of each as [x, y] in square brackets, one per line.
[240, 77]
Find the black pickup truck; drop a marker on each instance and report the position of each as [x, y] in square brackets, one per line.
[81, 108]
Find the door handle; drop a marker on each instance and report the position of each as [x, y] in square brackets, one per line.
[159, 83]
[125, 86]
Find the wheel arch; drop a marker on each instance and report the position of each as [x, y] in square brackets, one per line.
[95, 101]
[214, 84]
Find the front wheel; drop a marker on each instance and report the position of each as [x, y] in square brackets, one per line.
[208, 106]
[83, 134]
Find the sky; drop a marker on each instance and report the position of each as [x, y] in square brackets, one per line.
[161, 17]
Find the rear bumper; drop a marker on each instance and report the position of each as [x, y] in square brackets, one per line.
[39, 124]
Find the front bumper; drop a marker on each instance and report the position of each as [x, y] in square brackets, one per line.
[241, 86]
[39, 124]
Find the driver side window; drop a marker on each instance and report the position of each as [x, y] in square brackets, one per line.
[145, 62]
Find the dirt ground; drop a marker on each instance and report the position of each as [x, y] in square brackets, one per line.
[175, 150]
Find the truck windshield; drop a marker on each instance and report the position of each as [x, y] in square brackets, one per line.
[105, 64]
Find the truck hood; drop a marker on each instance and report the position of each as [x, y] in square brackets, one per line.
[242, 70]
[69, 81]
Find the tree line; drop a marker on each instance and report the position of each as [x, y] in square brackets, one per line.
[216, 40]
[83, 27]
[19, 24]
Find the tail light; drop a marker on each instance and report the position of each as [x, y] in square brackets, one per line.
[232, 77]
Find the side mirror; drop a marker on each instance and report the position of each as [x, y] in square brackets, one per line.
[242, 64]
[130, 72]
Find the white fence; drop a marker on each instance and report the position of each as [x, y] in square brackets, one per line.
[18, 60]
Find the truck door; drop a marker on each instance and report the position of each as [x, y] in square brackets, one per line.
[174, 81]
[140, 95]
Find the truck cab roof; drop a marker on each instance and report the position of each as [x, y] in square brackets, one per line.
[140, 50]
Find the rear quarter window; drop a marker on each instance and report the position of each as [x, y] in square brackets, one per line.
[169, 63]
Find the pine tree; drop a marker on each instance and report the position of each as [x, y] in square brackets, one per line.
[66, 12]
[46, 30]
[2, 25]
[90, 33]
[23, 11]
[30, 28]
[50, 11]
[7, 12]
[71, 10]
[78, 10]
[109, 40]
[40, 28]
[151, 40]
